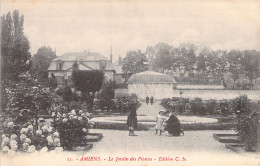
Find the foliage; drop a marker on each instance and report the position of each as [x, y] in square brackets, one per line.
[106, 96]
[52, 81]
[175, 104]
[241, 105]
[14, 47]
[125, 103]
[88, 82]
[163, 58]
[234, 58]
[197, 107]
[41, 61]
[28, 101]
[247, 131]
[134, 62]
[211, 106]
[204, 65]
[248, 119]
[73, 127]
[250, 63]
[75, 105]
[66, 93]
[26, 138]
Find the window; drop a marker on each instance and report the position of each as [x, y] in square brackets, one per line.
[59, 65]
[102, 65]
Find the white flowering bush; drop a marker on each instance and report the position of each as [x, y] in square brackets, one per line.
[25, 139]
[72, 128]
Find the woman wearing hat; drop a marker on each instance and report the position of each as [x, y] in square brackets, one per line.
[132, 120]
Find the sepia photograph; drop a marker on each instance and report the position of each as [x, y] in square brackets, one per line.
[130, 83]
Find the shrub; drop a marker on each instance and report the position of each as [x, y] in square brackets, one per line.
[123, 104]
[248, 119]
[24, 102]
[73, 127]
[247, 131]
[197, 107]
[75, 105]
[211, 106]
[26, 138]
[65, 93]
[106, 96]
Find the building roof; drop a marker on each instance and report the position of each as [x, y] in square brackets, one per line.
[151, 77]
[118, 67]
[81, 56]
[87, 59]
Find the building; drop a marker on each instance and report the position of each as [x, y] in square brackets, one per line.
[150, 83]
[118, 76]
[62, 66]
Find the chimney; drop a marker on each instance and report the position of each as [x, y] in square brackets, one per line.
[119, 60]
[111, 56]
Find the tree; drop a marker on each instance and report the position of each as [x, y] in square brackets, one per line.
[234, 64]
[41, 61]
[184, 58]
[134, 62]
[163, 58]
[52, 81]
[106, 96]
[250, 63]
[217, 64]
[14, 47]
[88, 83]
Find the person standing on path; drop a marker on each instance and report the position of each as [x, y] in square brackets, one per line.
[132, 120]
[151, 100]
[147, 100]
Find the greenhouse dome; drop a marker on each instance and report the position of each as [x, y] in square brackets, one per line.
[151, 77]
[150, 83]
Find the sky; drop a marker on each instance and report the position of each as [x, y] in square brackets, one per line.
[95, 26]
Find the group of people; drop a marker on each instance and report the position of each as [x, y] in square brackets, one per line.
[151, 100]
[173, 125]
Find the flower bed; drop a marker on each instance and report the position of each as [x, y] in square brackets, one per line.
[28, 139]
[73, 128]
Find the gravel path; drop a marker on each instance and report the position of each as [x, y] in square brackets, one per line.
[149, 110]
[195, 148]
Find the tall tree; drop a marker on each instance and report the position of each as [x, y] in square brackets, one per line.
[163, 58]
[185, 58]
[250, 63]
[216, 64]
[88, 82]
[106, 96]
[234, 58]
[41, 61]
[14, 47]
[134, 62]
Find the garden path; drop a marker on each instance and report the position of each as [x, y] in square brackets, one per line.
[149, 110]
[197, 147]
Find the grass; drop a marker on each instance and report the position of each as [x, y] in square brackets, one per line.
[185, 127]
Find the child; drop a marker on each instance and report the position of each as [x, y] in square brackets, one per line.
[159, 122]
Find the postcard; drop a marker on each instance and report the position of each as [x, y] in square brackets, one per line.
[116, 82]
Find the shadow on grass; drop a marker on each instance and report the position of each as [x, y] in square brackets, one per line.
[118, 126]
[185, 127]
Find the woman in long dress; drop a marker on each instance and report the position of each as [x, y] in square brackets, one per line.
[132, 121]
